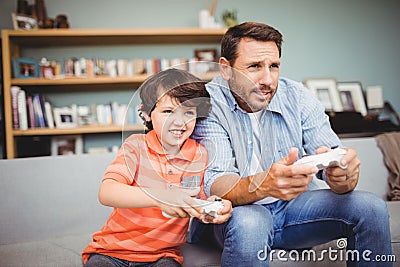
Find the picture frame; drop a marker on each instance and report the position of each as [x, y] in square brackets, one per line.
[206, 54]
[374, 97]
[325, 89]
[206, 59]
[64, 117]
[352, 91]
[25, 68]
[66, 145]
[24, 22]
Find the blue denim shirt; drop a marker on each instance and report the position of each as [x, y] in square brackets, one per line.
[294, 118]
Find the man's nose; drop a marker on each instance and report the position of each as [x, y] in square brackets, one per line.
[266, 77]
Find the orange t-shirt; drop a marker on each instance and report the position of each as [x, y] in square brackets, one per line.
[144, 234]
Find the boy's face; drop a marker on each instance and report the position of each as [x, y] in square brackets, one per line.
[173, 123]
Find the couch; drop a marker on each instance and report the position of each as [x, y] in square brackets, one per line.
[49, 209]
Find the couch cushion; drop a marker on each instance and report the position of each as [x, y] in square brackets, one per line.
[394, 211]
[47, 197]
[60, 252]
[201, 256]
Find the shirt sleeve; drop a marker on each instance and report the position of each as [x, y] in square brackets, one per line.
[316, 128]
[221, 159]
[124, 167]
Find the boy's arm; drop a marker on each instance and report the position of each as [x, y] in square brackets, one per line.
[119, 195]
[172, 201]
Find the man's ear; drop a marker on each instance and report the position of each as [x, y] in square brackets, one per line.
[225, 68]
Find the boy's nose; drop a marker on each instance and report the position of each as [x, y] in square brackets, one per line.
[179, 120]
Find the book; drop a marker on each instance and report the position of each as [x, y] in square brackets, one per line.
[42, 102]
[22, 112]
[100, 111]
[31, 112]
[14, 105]
[49, 114]
[38, 111]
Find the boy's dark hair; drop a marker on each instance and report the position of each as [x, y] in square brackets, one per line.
[188, 89]
[252, 30]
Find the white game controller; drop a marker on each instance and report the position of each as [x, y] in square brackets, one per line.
[209, 207]
[325, 160]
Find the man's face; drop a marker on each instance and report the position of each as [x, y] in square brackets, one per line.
[255, 74]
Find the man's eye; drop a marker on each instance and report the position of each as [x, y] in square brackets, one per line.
[274, 66]
[254, 66]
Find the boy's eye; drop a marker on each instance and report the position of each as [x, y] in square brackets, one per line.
[167, 111]
[190, 113]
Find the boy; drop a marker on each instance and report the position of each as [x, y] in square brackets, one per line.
[151, 182]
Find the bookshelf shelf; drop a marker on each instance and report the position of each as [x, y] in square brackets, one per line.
[14, 42]
[79, 130]
[129, 80]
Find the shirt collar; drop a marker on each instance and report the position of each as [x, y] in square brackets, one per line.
[187, 152]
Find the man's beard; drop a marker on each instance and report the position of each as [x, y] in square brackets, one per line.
[239, 91]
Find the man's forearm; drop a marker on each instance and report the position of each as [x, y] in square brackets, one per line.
[236, 189]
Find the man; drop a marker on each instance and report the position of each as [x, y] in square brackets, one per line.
[260, 124]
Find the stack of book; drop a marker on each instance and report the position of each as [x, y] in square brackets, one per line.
[34, 111]
[30, 111]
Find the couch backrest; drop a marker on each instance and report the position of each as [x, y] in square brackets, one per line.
[373, 172]
[46, 197]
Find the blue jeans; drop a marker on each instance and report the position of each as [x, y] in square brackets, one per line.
[313, 218]
[99, 260]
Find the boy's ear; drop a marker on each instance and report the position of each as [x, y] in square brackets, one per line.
[146, 116]
[225, 68]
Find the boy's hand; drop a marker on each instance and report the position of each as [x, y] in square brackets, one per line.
[224, 214]
[175, 202]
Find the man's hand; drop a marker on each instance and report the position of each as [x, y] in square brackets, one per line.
[283, 180]
[343, 180]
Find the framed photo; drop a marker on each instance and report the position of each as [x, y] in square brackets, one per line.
[206, 55]
[66, 145]
[375, 97]
[206, 60]
[24, 22]
[325, 89]
[64, 117]
[25, 68]
[352, 96]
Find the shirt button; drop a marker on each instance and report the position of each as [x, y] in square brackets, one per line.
[170, 172]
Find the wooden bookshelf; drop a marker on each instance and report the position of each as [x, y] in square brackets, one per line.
[90, 129]
[13, 41]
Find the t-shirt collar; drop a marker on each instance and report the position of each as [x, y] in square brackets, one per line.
[187, 151]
